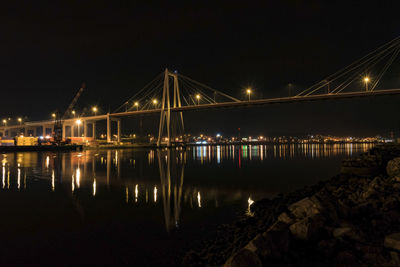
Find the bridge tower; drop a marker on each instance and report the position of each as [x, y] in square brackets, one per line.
[172, 123]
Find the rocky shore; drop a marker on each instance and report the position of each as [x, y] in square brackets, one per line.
[352, 219]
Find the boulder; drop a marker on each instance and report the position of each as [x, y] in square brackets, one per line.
[341, 231]
[306, 228]
[285, 218]
[392, 241]
[306, 207]
[396, 179]
[244, 257]
[393, 167]
[346, 258]
[346, 232]
[271, 243]
[327, 247]
[395, 259]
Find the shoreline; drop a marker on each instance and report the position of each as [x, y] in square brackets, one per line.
[130, 146]
[351, 219]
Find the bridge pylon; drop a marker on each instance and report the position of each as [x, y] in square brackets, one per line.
[172, 123]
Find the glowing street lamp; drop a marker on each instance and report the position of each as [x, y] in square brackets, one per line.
[155, 102]
[136, 105]
[5, 122]
[366, 80]
[198, 98]
[248, 91]
[53, 115]
[73, 113]
[78, 122]
[94, 109]
[20, 121]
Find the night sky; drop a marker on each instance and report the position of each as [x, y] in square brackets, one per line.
[48, 49]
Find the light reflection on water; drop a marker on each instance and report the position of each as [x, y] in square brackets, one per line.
[185, 187]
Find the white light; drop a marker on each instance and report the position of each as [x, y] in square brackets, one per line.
[78, 177]
[199, 199]
[53, 181]
[94, 187]
[136, 193]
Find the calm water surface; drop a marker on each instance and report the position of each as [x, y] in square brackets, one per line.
[142, 206]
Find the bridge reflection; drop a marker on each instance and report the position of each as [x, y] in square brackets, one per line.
[172, 172]
[153, 179]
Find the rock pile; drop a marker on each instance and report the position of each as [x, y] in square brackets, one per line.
[352, 219]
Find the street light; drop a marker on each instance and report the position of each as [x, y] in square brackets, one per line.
[5, 122]
[198, 98]
[155, 102]
[73, 112]
[20, 121]
[78, 122]
[366, 80]
[136, 105]
[53, 115]
[248, 91]
[94, 109]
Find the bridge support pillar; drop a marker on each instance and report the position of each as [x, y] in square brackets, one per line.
[108, 128]
[165, 116]
[84, 129]
[63, 131]
[94, 130]
[119, 130]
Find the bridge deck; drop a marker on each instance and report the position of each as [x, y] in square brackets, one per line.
[250, 103]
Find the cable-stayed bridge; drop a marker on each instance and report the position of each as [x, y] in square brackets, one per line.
[170, 94]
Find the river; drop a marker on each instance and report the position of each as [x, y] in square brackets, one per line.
[143, 206]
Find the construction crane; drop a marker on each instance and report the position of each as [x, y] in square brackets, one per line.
[58, 129]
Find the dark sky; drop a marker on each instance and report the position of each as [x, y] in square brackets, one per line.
[48, 49]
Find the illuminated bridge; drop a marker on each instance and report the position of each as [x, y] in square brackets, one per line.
[171, 94]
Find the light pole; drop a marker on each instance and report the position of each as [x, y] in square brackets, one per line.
[94, 109]
[78, 122]
[198, 98]
[290, 85]
[136, 105]
[366, 80]
[155, 102]
[20, 121]
[5, 122]
[53, 115]
[248, 91]
[73, 113]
